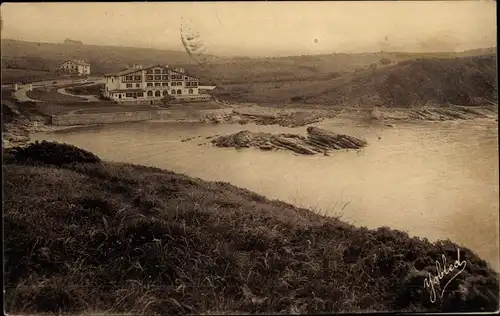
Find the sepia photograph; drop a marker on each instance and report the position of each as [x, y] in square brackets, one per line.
[265, 157]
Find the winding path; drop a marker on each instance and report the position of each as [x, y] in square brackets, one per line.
[89, 98]
[21, 95]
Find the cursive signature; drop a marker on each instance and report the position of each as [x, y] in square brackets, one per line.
[441, 272]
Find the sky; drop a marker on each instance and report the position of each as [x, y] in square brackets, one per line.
[261, 28]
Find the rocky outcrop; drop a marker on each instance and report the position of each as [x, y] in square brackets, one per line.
[284, 118]
[317, 141]
[444, 113]
[17, 127]
[266, 116]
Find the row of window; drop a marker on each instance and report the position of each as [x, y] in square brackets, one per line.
[161, 84]
[155, 77]
[157, 71]
[132, 78]
[155, 93]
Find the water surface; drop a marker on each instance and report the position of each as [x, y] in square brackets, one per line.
[434, 180]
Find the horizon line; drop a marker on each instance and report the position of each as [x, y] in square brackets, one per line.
[256, 56]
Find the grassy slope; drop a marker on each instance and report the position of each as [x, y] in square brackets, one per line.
[94, 89]
[461, 80]
[102, 58]
[125, 238]
[212, 70]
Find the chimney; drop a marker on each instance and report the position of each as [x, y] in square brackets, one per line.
[181, 70]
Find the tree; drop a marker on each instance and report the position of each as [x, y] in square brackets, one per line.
[167, 99]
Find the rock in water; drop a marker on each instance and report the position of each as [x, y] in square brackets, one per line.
[334, 140]
[358, 142]
[317, 141]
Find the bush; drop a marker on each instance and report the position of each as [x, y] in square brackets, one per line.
[385, 61]
[51, 153]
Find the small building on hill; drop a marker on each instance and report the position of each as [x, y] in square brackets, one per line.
[75, 67]
[152, 85]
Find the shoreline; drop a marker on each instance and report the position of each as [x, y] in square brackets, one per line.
[20, 130]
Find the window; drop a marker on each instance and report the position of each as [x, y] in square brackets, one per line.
[149, 71]
[149, 84]
[157, 93]
[173, 91]
[157, 71]
[185, 78]
[129, 78]
[165, 84]
[179, 83]
[165, 92]
[190, 91]
[149, 78]
[164, 78]
[165, 71]
[137, 85]
[129, 85]
[119, 96]
[112, 80]
[179, 91]
[158, 78]
[140, 94]
[129, 95]
[150, 93]
[157, 84]
[137, 77]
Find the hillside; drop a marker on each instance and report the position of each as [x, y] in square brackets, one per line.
[211, 69]
[131, 239]
[104, 59]
[459, 80]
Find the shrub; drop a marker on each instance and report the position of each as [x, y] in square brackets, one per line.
[385, 61]
[297, 98]
[52, 153]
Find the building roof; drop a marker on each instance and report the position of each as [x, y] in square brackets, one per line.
[78, 62]
[123, 72]
[132, 70]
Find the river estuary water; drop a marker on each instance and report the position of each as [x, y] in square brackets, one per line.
[434, 180]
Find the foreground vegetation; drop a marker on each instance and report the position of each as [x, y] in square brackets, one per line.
[83, 235]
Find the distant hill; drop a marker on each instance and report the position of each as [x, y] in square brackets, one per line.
[460, 80]
[70, 41]
[243, 70]
[102, 58]
[221, 71]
